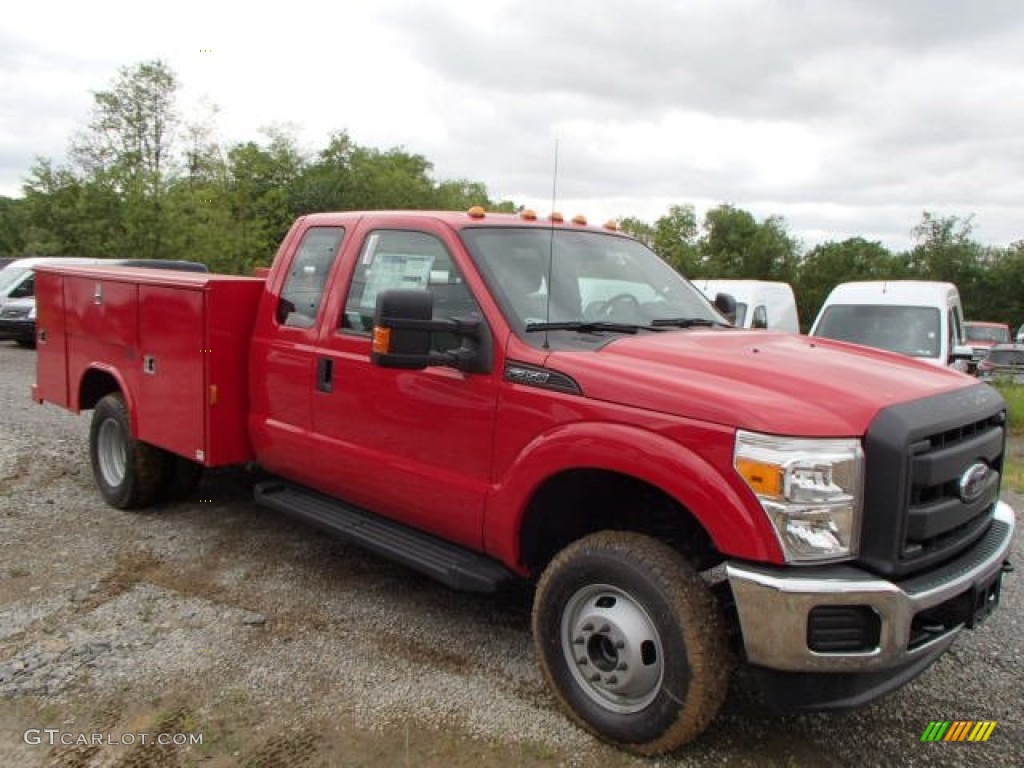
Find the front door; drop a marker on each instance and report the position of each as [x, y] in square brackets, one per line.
[413, 445]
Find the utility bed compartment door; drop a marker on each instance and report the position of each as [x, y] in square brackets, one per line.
[51, 347]
[172, 385]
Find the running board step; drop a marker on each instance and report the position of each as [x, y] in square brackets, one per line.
[449, 563]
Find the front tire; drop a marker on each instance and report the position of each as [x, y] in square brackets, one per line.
[129, 473]
[631, 641]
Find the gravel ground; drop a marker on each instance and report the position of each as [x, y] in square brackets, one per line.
[282, 646]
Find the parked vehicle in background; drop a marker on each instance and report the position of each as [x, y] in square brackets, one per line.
[18, 321]
[918, 318]
[17, 292]
[759, 303]
[4, 261]
[982, 336]
[17, 289]
[1003, 361]
[1019, 338]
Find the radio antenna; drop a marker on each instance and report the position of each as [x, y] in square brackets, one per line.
[551, 243]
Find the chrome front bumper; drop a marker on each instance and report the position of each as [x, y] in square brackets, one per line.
[774, 604]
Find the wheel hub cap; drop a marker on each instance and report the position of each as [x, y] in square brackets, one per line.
[612, 648]
[111, 453]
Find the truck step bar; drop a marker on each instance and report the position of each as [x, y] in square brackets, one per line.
[448, 563]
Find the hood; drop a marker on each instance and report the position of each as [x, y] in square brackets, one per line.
[760, 380]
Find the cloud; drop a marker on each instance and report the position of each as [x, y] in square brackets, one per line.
[844, 117]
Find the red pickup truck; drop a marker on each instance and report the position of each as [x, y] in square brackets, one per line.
[501, 399]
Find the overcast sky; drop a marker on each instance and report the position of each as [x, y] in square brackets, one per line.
[846, 118]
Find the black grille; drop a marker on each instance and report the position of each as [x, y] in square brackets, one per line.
[15, 312]
[916, 455]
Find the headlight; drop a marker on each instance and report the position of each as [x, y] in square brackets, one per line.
[810, 488]
[32, 312]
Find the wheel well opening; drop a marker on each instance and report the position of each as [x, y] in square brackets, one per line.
[579, 502]
[94, 387]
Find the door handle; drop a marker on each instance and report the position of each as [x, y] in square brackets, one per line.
[325, 374]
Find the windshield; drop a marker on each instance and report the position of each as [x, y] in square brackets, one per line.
[594, 277]
[9, 276]
[911, 331]
[997, 334]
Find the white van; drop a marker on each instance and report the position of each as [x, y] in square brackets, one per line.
[759, 303]
[17, 280]
[919, 318]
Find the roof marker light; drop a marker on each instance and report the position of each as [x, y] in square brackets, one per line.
[579, 219]
[529, 214]
[612, 224]
[477, 212]
[556, 217]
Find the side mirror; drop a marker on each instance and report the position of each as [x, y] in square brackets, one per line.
[403, 329]
[726, 304]
[961, 352]
[397, 341]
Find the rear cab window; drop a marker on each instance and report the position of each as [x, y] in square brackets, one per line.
[303, 291]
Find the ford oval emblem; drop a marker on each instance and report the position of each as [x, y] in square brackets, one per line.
[972, 482]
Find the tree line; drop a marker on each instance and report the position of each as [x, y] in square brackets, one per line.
[141, 182]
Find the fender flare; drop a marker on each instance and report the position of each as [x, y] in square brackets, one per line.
[125, 390]
[722, 505]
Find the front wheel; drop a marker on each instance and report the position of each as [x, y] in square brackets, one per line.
[631, 641]
[130, 473]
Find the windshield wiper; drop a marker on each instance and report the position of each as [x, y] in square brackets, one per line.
[585, 326]
[686, 322]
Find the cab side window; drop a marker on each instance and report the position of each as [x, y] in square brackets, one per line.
[760, 318]
[399, 259]
[304, 287]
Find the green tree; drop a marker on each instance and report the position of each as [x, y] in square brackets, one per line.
[641, 230]
[735, 245]
[128, 149]
[260, 190]
[68, 216]
[675, 239]
[946, 251]
[1000, 288]
[831, 263]
[13, 226]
